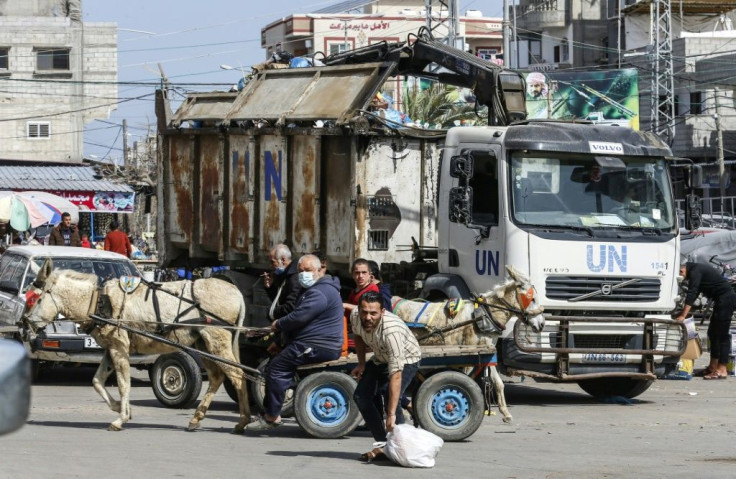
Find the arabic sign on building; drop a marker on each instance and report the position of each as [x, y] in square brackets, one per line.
[371, 26]
[100, 202]
[609, 97]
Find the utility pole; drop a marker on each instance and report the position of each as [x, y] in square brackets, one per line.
[345, 27]
[719, 136]
[452, 22]
[125, 144]
[662, 99]
[506, 35]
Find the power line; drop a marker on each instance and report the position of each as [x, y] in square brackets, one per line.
[67, 112]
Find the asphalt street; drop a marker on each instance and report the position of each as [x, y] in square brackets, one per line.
[677, 429]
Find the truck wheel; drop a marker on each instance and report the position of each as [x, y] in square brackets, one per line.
[176, 380]
[258, 392]
[626, 387]
[450, 405]
[324, 405]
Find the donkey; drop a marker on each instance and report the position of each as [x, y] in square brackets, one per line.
[74, 295]
[433, 321]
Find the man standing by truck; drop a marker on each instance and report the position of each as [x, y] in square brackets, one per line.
[312, 331]
[395, 361]
[702, 278]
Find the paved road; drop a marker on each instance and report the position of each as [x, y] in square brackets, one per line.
[678, 429]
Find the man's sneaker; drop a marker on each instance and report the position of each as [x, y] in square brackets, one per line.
[261, 424]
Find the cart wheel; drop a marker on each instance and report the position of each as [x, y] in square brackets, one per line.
[176, 380]
[324, 405]
[258, 392]
[449, 404]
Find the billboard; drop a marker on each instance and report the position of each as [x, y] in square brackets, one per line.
[608, 97]
[100, 202]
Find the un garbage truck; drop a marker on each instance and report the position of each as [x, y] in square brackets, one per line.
[299, 156]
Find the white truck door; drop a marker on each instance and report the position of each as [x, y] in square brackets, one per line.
[476, 249]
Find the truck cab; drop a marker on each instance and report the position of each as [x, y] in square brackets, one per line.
[593, 225]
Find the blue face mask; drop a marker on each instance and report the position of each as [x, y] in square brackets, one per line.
[280, 270]
[306, 279]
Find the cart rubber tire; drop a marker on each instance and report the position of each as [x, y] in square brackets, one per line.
[230, 390]
[176, 380]
[626, 387]
[450, 405]
[324, 405]
[258, 392]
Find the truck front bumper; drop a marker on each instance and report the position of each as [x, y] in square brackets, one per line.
[574, 348]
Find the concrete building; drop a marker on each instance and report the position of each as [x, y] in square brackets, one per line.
[371, 22]
[557, 34]
[702, 39]
[57, 74]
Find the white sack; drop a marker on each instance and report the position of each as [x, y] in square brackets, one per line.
[409, 446]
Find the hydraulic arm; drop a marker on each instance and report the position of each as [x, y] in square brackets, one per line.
[501, 90]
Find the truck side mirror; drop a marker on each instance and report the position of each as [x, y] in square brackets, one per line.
[461, 166]
[461, 199]
[461, 203]
[692, 212]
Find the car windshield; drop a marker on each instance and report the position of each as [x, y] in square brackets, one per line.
[105, 269]
[591, 191]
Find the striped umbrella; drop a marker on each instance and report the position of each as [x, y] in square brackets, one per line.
[23, 212]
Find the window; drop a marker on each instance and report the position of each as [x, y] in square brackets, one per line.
[38, 129]
[378, 240]
[52, 59]
[487, 53]
[562, 52]
[337, 48]
[484, 184]
[696, 103]
[13, 272]
[4, 65]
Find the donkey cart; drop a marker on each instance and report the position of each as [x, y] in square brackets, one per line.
[446, 397]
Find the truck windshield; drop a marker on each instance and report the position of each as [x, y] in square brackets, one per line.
[592, 192]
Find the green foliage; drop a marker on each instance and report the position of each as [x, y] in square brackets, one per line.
[440, 105]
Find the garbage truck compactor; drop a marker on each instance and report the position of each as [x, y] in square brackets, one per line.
[586, 211]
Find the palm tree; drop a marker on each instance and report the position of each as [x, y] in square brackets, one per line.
[441, 105]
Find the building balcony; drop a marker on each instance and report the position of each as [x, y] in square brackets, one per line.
[539, 14]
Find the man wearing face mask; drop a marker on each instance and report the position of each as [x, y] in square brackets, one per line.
[313, 333]
[282, 286]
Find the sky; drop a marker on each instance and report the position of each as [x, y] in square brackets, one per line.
[190, 39]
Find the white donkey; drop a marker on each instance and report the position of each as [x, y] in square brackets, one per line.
[434, 323]
[74, 295]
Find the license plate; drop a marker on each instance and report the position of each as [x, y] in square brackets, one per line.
[603, 358]
[91, 343]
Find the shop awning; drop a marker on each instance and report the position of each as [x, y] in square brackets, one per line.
[81, 185]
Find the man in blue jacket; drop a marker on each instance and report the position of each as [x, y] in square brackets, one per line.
[313, 332]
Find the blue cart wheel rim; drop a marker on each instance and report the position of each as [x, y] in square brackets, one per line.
[328, 405]
[449, 407]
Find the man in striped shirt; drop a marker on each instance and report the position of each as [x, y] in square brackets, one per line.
[396, 355]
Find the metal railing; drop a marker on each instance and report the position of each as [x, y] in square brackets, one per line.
[715, 210]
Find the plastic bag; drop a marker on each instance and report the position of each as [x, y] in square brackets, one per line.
[692, 331]
[409, 446]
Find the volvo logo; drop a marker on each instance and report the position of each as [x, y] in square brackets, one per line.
[606, 290]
